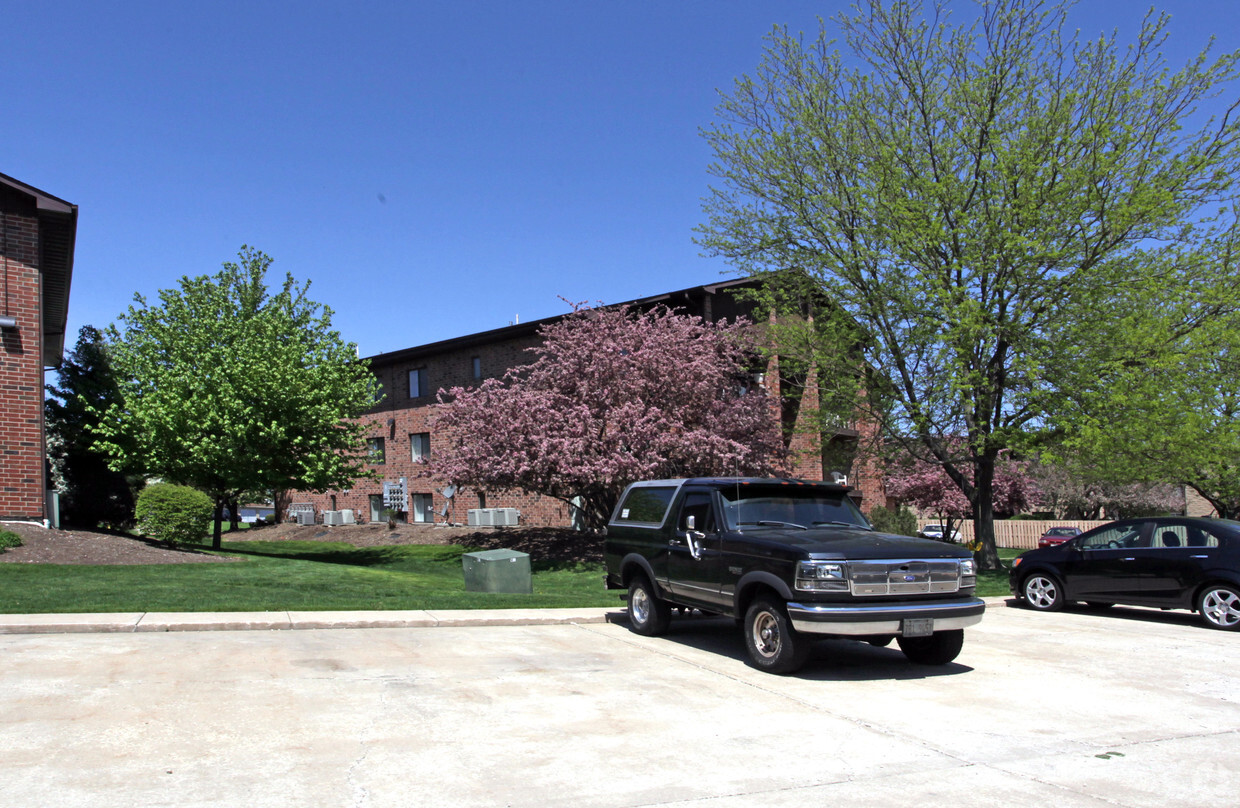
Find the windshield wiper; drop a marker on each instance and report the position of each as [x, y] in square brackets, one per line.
[772, 523]
[843, 524]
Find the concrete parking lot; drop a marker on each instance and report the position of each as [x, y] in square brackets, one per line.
[1127, 708]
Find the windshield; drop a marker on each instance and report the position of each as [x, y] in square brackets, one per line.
[782, 506]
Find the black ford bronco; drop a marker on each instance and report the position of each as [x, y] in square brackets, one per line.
[786, 559]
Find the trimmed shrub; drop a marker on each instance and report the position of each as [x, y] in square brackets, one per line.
[175, 514]
[9, 539]
[900, 521]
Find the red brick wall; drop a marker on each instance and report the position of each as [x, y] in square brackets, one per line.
[21, 372]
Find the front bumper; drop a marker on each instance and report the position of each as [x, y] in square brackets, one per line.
[883, 618]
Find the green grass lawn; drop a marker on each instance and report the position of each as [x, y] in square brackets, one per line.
[289, 576]
[310, 576]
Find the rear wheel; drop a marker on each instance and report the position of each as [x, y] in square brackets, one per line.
[1042, 592]
[773, 644]
[648, 613]
[1220, 607]
[939, 648]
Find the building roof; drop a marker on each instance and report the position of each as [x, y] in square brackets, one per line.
[691, 297]
[57, 237]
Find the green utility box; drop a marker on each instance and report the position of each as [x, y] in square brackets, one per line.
[504, 571]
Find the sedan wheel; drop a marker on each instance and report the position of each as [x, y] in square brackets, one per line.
[1220, 607]
[1043, 593]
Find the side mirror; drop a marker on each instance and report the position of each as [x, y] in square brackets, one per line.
[690, 523]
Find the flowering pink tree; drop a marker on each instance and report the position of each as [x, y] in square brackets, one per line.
[612, 396]
[927, 487]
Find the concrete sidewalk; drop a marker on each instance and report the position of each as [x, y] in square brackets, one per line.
[126, 622]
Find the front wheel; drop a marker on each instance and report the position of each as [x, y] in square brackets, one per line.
[649, 614]
[1220, 607]
[939, 648]
[773, 644]
[1042, 592]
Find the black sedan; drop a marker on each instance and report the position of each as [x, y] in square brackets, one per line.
[1166, 562]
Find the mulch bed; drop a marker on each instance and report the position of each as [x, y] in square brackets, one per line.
[43, 546]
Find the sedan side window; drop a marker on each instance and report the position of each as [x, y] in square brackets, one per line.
[1114, 538]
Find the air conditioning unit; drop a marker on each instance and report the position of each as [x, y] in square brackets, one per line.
[507, 517]
[305, 517]
[471, 517]
[332, 518]
[347, 518]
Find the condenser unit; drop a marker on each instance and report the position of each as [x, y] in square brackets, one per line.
[346, 517]
[305, 517]
[506, 517]
[332, 518]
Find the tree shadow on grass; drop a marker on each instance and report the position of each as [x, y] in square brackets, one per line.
[378, 556]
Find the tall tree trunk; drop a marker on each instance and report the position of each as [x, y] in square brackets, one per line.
[217, 530]
[986, 555]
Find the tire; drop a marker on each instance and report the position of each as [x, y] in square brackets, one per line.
[774, 645]
[878, 640]
[939, 648]
[649, 614]
[1219, 606]
[1042, 592]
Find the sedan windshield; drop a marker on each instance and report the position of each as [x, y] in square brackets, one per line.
[782, 506]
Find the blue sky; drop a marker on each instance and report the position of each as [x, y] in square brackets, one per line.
[434, 168]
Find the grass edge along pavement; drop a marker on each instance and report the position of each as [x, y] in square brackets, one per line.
[310, 576]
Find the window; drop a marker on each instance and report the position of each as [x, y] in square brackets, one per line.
[646, 504]
[374, 451]
[482, 499]
[476, 366]
[419, 446]
[376, 507]
[1118, 537]
[417, 383]
[423, 508]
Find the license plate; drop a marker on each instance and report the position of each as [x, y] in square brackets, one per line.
[918, 627]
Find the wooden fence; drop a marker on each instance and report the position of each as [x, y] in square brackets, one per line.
[1021, 534]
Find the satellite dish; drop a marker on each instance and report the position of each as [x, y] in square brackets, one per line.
[449, 492]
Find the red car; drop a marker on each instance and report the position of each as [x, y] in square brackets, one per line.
[1057, 535]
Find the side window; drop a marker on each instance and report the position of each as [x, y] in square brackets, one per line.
[1199, 537]
[1172, 535]
[1113, 538]
[697, 505]
[646, 505]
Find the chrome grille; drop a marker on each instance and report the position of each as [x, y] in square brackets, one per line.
[906, 577]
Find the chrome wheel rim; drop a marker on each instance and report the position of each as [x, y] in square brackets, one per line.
[766, 634]
[639, 605]
[1221, 607]
[1040, 592]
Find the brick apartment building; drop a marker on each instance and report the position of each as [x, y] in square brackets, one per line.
[37, 236]
[400, 431]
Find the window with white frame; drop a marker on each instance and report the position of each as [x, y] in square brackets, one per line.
[423, 507]
[419, 446]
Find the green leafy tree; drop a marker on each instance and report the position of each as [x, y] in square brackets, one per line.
[228, 387]
[91, 492]
[1173, 420]
[960, 191]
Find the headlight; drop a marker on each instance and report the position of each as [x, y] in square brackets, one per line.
[822, 576]
[967, 567]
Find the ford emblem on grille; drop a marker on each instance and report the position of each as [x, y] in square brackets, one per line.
[910, 578]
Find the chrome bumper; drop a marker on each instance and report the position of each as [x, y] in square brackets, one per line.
[883, 618]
